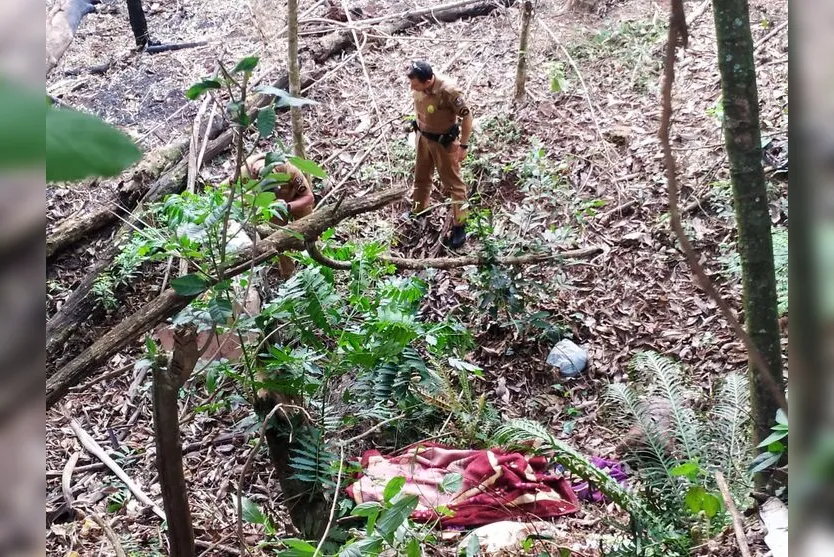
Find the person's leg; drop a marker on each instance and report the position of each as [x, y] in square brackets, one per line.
[423, 171]
[453, 185]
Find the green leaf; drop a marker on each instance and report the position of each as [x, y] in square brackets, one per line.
[220, 309]
[362, 548]
[394, 517]
[189, 285]
[473, 546]
[412, 549]
[366, 509]
[21, 140]
[710, 504]
[694, 499]
[266, 121]
[451, 483]
[763, 462]
[688, 469]
[246, 64]
[211, 379]
[392, 488]
[198, 89]
[294, 102]
[270, 90]
[308, 167]
[297, 548]
[772, 438]
[777, 447]
[445, 511]
[264, 199]
[781, 417]
[79, 145]
[250, 512]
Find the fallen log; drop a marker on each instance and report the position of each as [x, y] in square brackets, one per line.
[130, 189]
[341, 40]
[169, 302]
[81, 303]
[62, 22]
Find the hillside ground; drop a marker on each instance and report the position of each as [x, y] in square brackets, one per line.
[576, 164]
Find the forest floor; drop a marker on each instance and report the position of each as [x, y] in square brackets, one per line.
[574, 165]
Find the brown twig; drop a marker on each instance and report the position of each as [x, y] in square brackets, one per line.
[66, 479]
[95, 449]
[678, 35]
[453, 262]
[738, 525]
[109, 534]
[335, 500]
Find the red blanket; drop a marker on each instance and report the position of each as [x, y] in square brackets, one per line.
[496, 485]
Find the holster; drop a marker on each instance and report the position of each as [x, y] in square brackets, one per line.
[447, 138]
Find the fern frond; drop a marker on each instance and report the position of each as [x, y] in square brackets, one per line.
[653, 459]
[521, 431]
[310, 458]
[731, 426]
[666, 381]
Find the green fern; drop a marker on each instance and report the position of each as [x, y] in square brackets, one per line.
[665, 380]
[653, 458]
[311, 460]
[730, 422]
[520, 432]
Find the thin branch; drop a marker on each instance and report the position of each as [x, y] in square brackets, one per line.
[96, 450]
[738, 525]
[677, 28]
[335, 500]
[109, 534]
[760, 44]
[66, 479]
[453, 262]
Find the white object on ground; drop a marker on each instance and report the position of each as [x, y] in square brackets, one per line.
[507, 535]
[774, 514]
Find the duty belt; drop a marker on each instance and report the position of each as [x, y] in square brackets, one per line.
[442, 138]
[432, 136]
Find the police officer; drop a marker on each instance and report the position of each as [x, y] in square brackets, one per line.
[443, 126]
[294, 192]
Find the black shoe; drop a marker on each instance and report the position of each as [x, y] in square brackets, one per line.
[457, 238]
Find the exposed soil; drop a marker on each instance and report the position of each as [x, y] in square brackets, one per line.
[636, 295]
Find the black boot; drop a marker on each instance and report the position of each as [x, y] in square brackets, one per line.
[457, 238]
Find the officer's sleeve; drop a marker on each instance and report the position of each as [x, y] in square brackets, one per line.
[298, 183]
[459, 104]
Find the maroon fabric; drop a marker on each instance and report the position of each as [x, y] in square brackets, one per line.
[496, 485]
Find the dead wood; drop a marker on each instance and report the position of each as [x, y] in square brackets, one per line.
[452, 262]
[81, 303]
[166, 385]
[131, 187]
[339, 41]
[738, 524]
[62, 22]
[169, 302]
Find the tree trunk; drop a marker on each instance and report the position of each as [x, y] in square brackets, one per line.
[138, 23]
[295, 77]
[743, 142]
[521, 68]
[166, 385]
[308, 508]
